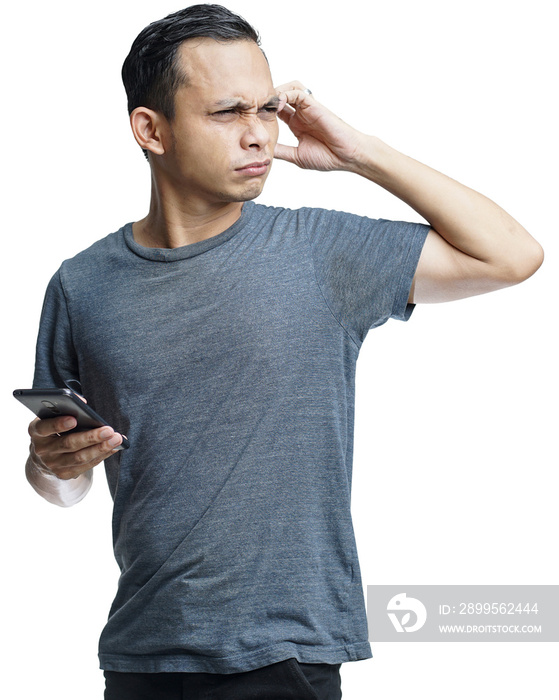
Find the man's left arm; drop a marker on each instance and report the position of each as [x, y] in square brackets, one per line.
[473, 246]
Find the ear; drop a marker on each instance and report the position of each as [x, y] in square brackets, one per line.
[149, 130]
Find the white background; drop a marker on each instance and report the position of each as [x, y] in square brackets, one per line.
[455, 477]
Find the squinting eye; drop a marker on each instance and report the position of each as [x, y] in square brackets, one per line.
[268, 112]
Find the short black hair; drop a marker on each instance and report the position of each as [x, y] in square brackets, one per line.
[150, 72]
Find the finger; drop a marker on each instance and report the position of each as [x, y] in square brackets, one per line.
[71, 469]
[284, 110]
[55, 457]
[286, 114]
[287, 153]
[296, 95]
[74, 442]
[82, 460]
[49, 446]
[291, 85]
[47, 427]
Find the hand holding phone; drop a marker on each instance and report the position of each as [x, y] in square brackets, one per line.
[68, 438]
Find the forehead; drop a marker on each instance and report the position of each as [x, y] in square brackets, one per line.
[216, 70]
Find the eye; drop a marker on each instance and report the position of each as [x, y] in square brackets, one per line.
[225, 112]
[268, 112]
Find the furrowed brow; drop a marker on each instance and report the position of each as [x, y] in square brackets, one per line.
[233, 103]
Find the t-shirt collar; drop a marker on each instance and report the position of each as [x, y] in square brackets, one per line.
[191, 250]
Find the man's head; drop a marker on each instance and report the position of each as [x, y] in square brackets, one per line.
[202, 102]
[151, 72]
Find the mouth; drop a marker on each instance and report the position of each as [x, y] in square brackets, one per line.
[254, 169]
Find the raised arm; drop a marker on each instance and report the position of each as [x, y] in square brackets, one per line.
[473, 247]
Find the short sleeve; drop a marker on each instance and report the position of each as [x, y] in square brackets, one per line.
[364, 267]
[55, 360]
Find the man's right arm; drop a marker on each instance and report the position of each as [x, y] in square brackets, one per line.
[60, 464]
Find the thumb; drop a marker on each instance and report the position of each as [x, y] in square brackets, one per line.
[288, 153]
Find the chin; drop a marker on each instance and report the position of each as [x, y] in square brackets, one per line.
[248, 193]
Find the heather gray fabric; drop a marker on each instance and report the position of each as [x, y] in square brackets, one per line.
[230, 365]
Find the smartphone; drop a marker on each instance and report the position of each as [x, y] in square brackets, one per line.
[50, 403]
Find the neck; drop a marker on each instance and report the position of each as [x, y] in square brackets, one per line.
[173, 221]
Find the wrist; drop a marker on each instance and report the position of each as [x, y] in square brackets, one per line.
[35, 471]
[60, 492]
[372, 159]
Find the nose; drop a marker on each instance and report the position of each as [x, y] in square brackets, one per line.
[256, 134]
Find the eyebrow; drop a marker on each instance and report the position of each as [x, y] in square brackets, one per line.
[235, 103]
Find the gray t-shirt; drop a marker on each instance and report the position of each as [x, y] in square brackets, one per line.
[230, 365]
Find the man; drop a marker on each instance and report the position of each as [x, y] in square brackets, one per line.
[221, 337]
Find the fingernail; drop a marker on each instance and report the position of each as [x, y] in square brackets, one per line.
[69, 422]
[106, 433]
[114, 441]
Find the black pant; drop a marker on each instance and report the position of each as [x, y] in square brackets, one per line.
[286, 680]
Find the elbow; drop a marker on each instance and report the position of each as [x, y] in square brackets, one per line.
[522, 262]
[530, 262]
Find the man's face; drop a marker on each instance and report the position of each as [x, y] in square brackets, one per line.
[225, 120]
